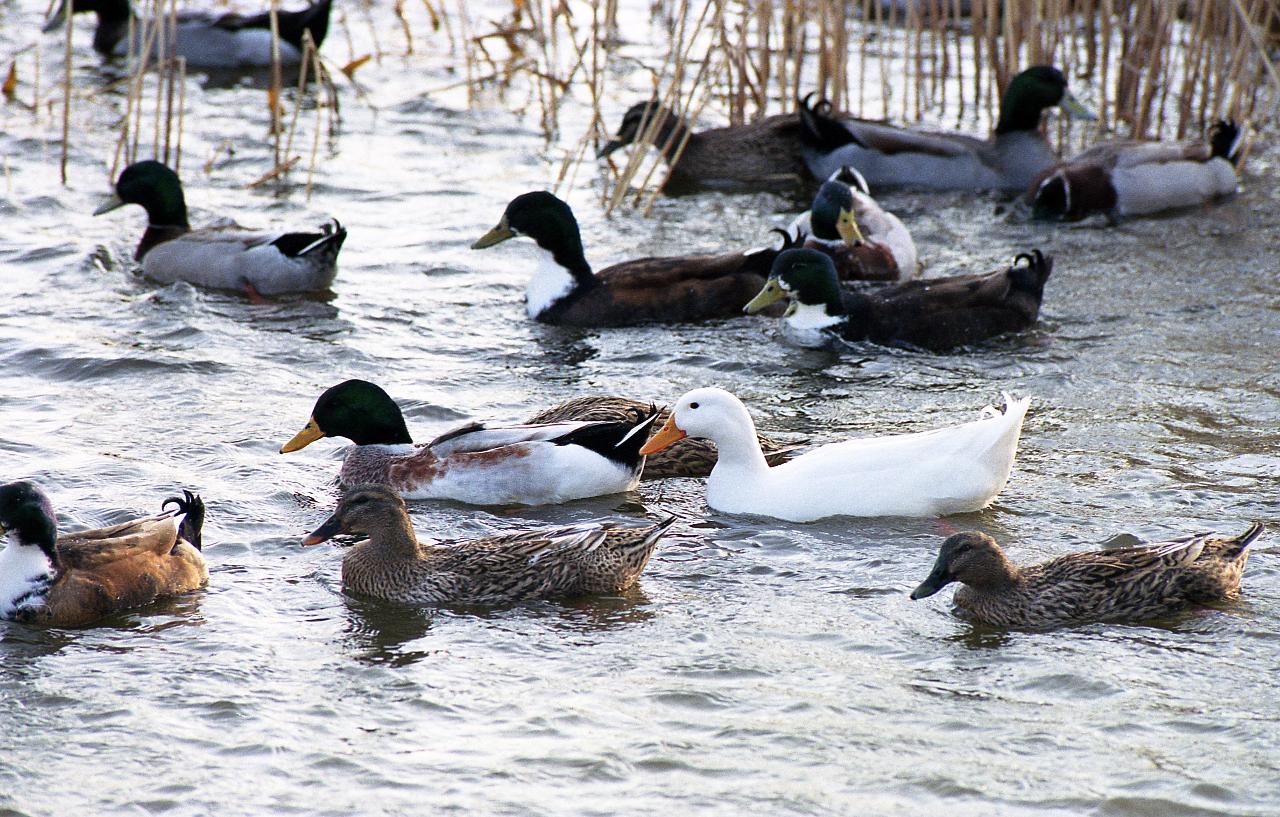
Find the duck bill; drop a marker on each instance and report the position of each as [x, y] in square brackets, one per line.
[497, 235]
[1074, 109]
[669, 433]
[113, 203]
[771, 293]
[936, 580]
[56, 19]
[609, 147]
[331, 528]
[309, 434]
[847, 227]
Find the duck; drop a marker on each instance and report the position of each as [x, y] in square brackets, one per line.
[866, 242]
[1009, 160]
[205, 39]
[79, 578]
[1131, 583]
[565, 291]
[257, 262]
[687, 458]
[949, 470]
[770, 155]
[392, 565]
[1131, 178]
[475, 463]
[934, 314]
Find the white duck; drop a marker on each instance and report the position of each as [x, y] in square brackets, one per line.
[947, 470]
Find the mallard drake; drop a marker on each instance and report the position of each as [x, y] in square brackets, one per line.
[559, 562]
[235, 258]
[564, 290]
[866, 242]
[1009, 160]
[206, 39]
[482, 465]
[686, 458]
[1137, 178]
[773, 153]
[76, 579]
[1104, 585]
[935, 314]
[948, 470]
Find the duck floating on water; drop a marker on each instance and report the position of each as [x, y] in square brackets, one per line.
[1131, 178]
[948, 470]
[478, 464]
[936, 314]
[78, 578]
[1105, 585]
[538, 564]
[1014, 155]
[258, 262]
[206, 39]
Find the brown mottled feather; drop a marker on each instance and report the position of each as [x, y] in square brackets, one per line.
[860, 262]
[686, 458]
[763, 155]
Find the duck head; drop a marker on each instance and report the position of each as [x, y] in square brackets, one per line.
[971, 558]
[807, 277]
[365, 510]
[548, 221]
[640, 119]
[109, 10]
[356, 409]
[153, 186]
[831, 217]
[26, 514]
[709, 413]
[1030, 92]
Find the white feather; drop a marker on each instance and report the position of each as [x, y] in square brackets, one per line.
[550, 283]
[22, 568]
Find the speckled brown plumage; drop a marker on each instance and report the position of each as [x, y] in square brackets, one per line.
[1119, 583]
[558, 562]
[686, 458]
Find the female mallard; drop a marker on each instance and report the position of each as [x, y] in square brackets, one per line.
[935, 314]
[1105, 585]
[206, 39]
[686, 458]
[947, 470]
[1009, 160]
[73, 580]
[1138, 178]
[865, 241]
[252, 261]
[393, 565]
[769, 154]
[511, 465]
[564, 290]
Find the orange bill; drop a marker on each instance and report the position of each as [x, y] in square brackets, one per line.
[668, 434]
[309, 434]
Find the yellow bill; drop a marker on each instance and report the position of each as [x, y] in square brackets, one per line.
[847, 226]
[771, 293]
[309, 434]
[497, 235]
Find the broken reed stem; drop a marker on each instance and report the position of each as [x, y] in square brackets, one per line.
[66, 93]
[273, 92]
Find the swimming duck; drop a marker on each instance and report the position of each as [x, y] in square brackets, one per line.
[206, 39]
[564, 290]
[866, 242]
[769, 154]
[1104, 585]
[935, 314]
[1137, 178]
[482, 465]
[1009, 160]
[541, 564]
[76, 579]
[254, 261]
[686, 458]
[948, 470]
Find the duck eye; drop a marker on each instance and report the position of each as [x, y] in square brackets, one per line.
[693, 405]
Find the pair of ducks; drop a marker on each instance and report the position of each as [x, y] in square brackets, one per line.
[79, 578]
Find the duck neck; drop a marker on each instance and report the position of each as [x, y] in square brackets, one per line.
[739, 449]
[559, 273]
[998, 578]
[26, 572]
[1019, 110]
[395, 541]
[816, 316]
[113, 25]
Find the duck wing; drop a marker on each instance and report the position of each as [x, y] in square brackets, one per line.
[889, 140]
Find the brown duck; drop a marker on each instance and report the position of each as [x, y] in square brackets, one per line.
[687, 458]
[770, 154]
[1120, 583]
[81, 577]
[559, 562]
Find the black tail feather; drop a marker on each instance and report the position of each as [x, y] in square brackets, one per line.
[822, 131]
[1031, 278]
[1225, 139]
[620, 442]
[292, 24]
[192, 508]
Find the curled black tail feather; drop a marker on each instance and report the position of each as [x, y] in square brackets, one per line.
[822, 131]
[192, 508]
[1031, 278]
[1225, 137]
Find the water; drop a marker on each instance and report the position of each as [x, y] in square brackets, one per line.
[761, 667]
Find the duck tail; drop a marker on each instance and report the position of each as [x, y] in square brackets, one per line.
[820, 130]
[191, 507]
[1226, 138]
[1032, 277]
[327, 242]
[314, 18]
[617, 441]
[1244, 540]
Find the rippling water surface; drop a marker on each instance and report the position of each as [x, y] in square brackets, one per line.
[760, 667]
